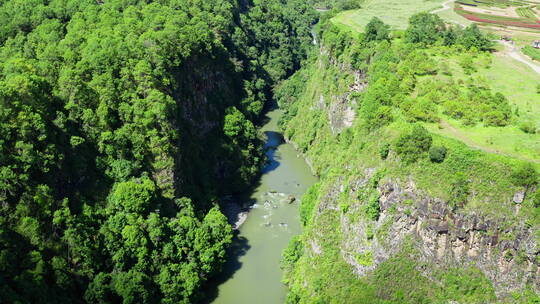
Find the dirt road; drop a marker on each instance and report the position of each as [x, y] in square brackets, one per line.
[446, 5]
[510, 50]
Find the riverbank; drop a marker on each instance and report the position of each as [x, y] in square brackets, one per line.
[266, 219]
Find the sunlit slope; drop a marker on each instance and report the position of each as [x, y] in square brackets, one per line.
[393, 12]
[517, 82]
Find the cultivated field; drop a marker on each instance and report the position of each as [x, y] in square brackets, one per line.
[515, 80]
[393, 12]
[522, 14]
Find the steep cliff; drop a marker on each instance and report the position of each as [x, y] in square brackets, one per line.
[380, 226]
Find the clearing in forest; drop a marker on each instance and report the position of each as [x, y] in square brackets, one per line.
[393, 12]
[503, 72]
[518, 83]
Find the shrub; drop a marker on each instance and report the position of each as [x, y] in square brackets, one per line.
[527, 127]
[383, 117]
[384, 150]
[471, 37]
[308, 203]
[376, 30]
[525, 175]
[424, 28]
[467, 63]
[411, 146]
[422, 110]
[531, 52]
[437, 154]
[373, 208]
[292, 253]
[536, 198]
[495, 119]
[459, 191]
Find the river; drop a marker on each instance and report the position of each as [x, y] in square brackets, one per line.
[252, 274]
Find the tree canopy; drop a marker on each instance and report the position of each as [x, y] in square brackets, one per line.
[122, 122]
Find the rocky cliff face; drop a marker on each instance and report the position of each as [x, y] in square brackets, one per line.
[507, 255]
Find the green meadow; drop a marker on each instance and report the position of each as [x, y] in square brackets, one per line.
[392, 12]
[519, 84]
[513, 79]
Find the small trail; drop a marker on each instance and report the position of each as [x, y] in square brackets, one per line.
[466, 140]
[446, 5]
[510, 50]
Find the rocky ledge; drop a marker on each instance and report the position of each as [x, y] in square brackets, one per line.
[508, 254]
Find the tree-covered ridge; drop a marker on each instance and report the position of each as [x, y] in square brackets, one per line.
[121, 123]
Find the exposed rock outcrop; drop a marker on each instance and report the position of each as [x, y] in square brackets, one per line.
[508, 254]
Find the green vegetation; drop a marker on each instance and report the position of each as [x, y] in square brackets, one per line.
[122, 123]
[411, 146]
[428, 28]
[526, 12]
[384, 150]
[308, 203]
[376, 30]
[532, 52]
[410, 100]
[525, 175]
[517, 137]
[336, 5]
[391, 12]
[437, 154]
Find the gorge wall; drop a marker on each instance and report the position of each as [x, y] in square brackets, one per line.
[379, 229]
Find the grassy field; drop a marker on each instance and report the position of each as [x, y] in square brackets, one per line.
[532, 52]
[505, 75]
[392, 12]
[518, 83]
[521, 36]
[450, 15]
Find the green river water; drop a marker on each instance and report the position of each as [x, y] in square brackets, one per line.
[252, 274]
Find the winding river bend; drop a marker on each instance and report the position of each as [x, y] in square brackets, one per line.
[253, 274]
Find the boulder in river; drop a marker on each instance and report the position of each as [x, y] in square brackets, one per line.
[291, 199]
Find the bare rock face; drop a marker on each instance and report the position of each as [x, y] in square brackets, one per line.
[236, 215]
[519, 197]
[341, 114]
[509, 256]
[341, 110]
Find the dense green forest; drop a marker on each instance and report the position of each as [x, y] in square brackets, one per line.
[122, 122]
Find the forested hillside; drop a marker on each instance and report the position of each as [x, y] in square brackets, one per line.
[122, 122]
[407, 210]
